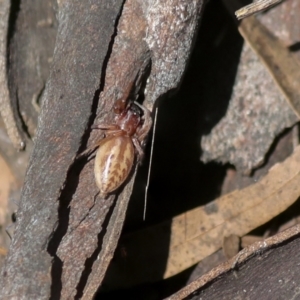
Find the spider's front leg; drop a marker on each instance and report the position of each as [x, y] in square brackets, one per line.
[109, 130]
[143, 131]
[139, 149]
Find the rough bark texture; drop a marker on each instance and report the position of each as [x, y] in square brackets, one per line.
[66, 234]
[75, 76]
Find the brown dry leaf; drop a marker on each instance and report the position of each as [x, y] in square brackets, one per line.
[231, 245]
[253, 8]
[236, 213]
[199, 232]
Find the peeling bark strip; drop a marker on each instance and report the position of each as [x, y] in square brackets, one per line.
[172, 25]
[84, 33]
[7, 111]
[100, 226]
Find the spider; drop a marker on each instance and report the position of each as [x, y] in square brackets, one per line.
[123, 139]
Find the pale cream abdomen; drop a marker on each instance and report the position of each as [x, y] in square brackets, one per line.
[113, 162]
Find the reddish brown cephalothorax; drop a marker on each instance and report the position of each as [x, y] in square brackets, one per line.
[116, 153]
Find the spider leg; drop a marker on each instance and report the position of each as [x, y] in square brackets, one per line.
[89, 151]
[109, 129]
[93, 148]
[138, 148]
[105, 126]
[144, 130]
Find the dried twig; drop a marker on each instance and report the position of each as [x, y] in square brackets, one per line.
[255, 7]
